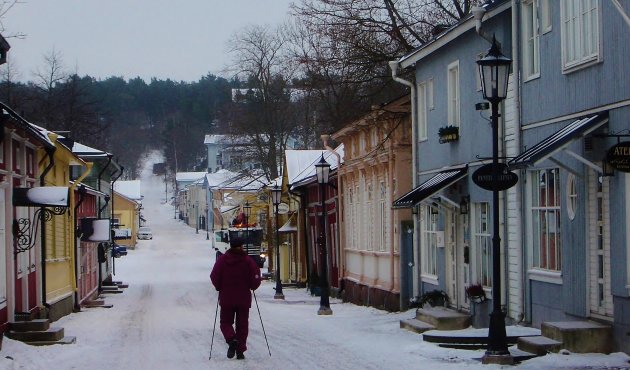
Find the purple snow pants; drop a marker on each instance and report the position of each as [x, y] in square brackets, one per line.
[228, 312]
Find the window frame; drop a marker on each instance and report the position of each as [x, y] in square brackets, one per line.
[478, 235]
[580, 60]
[422, 111]
[552, 261]
[429, 246]
[530, 29]
[453, 94]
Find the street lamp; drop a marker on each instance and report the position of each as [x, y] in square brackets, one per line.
[248, 209]
[322, 168]
[494, 70]
[276, 196]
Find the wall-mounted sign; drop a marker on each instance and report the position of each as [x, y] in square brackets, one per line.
[505, 178]
[283, 208]
[619, 156]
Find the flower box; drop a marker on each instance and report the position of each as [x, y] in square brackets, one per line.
[448, 134]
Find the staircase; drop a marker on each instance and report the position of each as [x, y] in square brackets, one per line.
[37, 332]
[575, 336]
[436, 318]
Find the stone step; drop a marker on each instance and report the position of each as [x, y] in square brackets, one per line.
[415, 325]
[64, 340]
[30, 325]
[111, 291]
[539, 345]
[472, 337]
[443, 319]
[52, 334]
[580, 336]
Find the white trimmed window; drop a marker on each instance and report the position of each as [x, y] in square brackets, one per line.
[482, 239]
[422, 111]
[580, 32]
[382, 210]
[572, 196]
[545, 234]
[430, 94]
[429, 222]
[453, 94]
[531, 39]
[545, 16]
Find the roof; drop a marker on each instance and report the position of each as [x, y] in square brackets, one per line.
[39, 132]
[559, 140]
[129, 188]
[464, 25]
[436, 183]
[245, 181]
[86, 151]
[189, 176]
[300, 164]
[216, 178]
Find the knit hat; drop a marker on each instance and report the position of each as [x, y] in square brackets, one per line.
[236, 242]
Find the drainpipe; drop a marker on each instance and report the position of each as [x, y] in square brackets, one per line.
[122, 169]
[478, 13]
[77, 306]
[98, 181]
[516, 75]
[342, 256]
[395, 66]
[50, 152]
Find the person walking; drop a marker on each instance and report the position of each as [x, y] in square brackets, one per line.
[235, 275]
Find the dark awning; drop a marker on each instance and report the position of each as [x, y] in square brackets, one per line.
[559, 140]
[441, 180]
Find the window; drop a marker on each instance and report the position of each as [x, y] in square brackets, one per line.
[383, 217]
[571, 196]
[531, 59]
[580, 32]
[429, 222]
[453, 94]
[430, 94]
[545, 219]
[482, 240]
[422, 111]
[545, 16]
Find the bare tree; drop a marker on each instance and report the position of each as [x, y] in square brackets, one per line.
[5, 7]
[264, 116]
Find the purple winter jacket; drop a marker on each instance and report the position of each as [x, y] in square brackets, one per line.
[234, 274]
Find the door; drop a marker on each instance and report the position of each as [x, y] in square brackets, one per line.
[601, 302]
[451, 256]
[406, 263]
[463, 261]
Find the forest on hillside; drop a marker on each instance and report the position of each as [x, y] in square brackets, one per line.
[313, 74]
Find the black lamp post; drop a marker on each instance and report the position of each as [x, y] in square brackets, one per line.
[494, 69]
[276, 196]
[322, 168]
[248, 209]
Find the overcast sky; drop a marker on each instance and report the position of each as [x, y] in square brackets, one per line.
[180, 40]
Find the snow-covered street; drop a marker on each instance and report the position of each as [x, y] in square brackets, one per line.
[164, 320]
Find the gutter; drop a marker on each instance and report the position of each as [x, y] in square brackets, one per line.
[395, 66]
[75, 232]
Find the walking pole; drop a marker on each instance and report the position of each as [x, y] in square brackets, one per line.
[213, 328]
[261, 323]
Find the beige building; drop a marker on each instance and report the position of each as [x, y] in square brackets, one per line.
[375, 172]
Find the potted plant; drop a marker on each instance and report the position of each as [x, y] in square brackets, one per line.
[434, 298]
[448, 134]
[476, 293]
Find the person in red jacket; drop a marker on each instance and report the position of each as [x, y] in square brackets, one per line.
[235, 275]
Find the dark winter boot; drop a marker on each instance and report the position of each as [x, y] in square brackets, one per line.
[232, 348]
[240, 356]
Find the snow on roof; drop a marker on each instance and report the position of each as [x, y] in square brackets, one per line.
[301, 163]
[84, 150]
[245, 181]
[189, 176]
[129, 188]
[222, 175]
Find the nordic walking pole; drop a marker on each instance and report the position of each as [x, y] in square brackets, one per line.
[261, 323]
[213, 328]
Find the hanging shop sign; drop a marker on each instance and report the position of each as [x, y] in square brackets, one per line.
[505, 178]
[619, 156]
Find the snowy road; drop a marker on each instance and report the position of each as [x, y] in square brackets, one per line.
[164, 321]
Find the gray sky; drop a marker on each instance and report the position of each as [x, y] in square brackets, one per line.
[181, 40]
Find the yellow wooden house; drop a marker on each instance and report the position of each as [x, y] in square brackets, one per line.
[126, 220]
